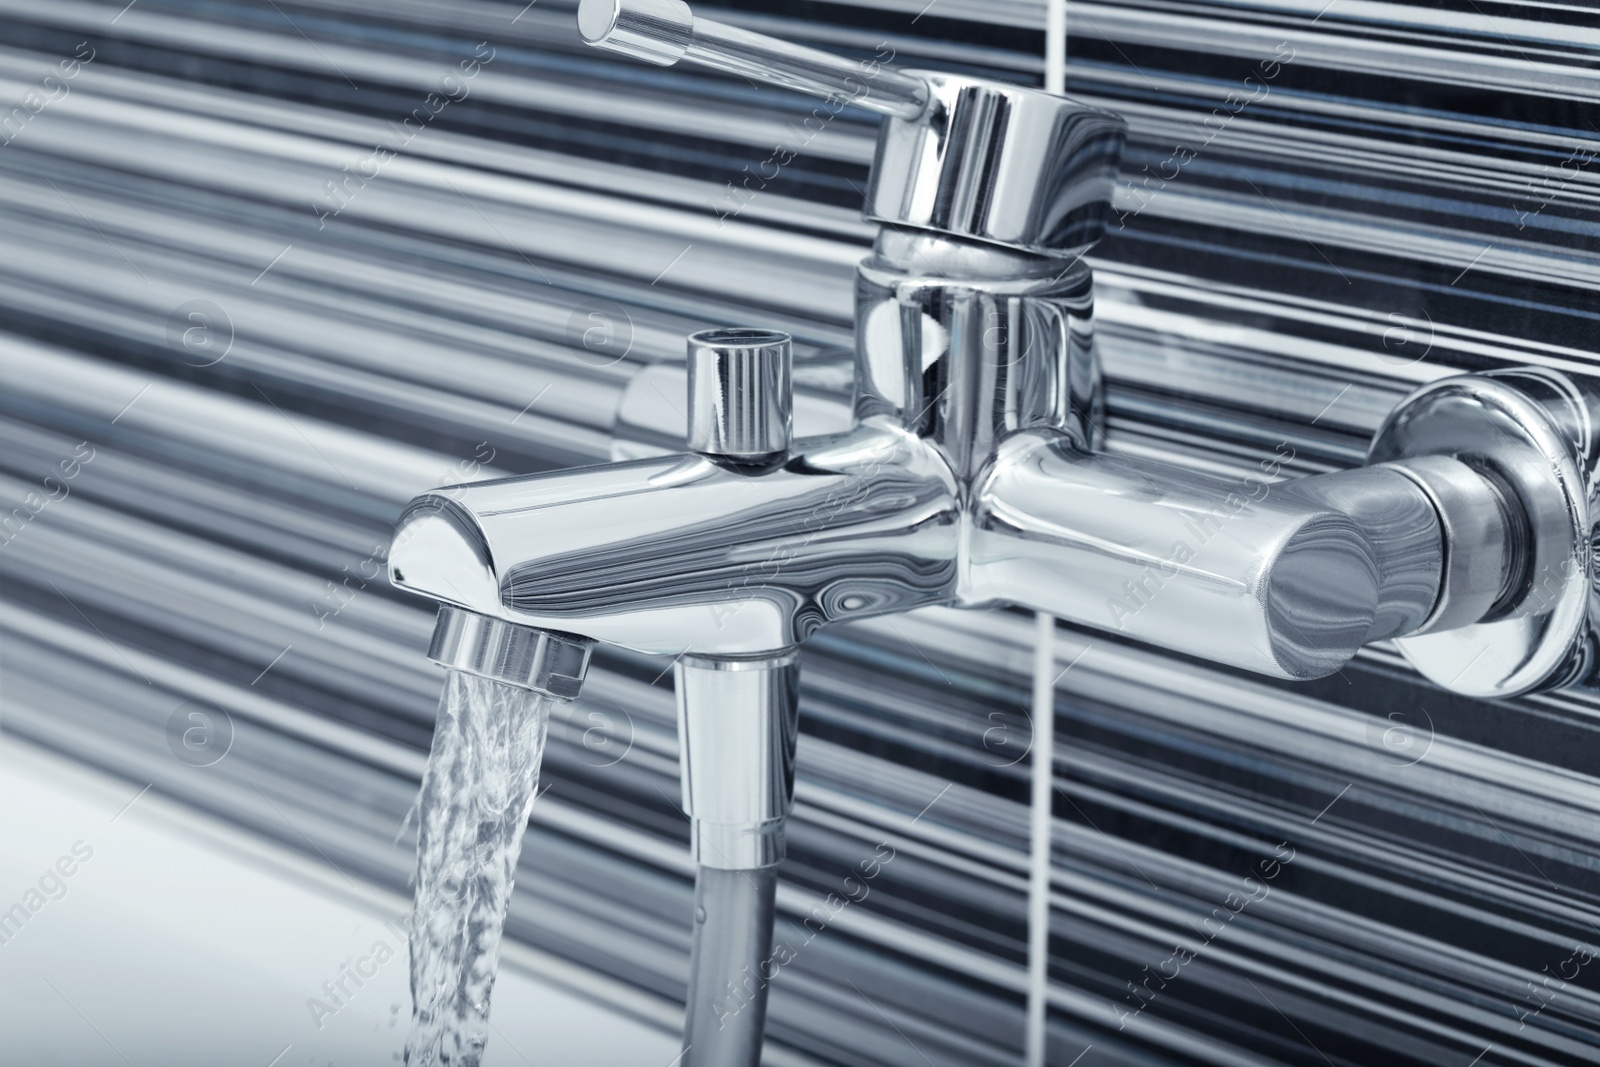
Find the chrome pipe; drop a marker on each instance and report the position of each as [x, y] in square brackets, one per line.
[730, 967]
[1232, 572]
[738, 724]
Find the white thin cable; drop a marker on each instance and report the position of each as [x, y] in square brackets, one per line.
[1044, 696]
[1044, 678]
[1055, 46]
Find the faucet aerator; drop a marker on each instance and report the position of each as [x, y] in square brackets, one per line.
[544, 661]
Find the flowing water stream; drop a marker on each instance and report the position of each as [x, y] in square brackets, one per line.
[476, 795]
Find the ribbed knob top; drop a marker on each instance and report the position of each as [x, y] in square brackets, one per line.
[740, 394]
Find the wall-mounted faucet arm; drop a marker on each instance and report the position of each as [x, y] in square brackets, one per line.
[1237, 572]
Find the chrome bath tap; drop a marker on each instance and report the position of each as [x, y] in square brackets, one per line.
[976, 473]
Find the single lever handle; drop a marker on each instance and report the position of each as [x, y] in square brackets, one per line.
[664, 31]
[960, 156]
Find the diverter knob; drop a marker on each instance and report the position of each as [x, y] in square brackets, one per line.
[741, 396]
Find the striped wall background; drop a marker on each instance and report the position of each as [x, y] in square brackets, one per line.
[1325, 204]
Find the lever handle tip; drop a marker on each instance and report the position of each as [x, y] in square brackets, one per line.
[655, 31]
[596, 19]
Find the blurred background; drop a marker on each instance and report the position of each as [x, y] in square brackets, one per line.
[270, 268]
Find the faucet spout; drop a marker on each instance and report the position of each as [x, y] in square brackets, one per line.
[690, 553]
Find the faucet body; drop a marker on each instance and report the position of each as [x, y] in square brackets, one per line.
[975, 472]
[969, 479]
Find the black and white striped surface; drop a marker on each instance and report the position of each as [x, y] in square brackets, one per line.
[1375, 194]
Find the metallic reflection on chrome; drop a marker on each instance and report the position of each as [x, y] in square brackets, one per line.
[738, 724]
[972, 474]
[687, 553]
[1532, 434]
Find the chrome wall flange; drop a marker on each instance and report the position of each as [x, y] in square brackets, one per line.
[1533, 432]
